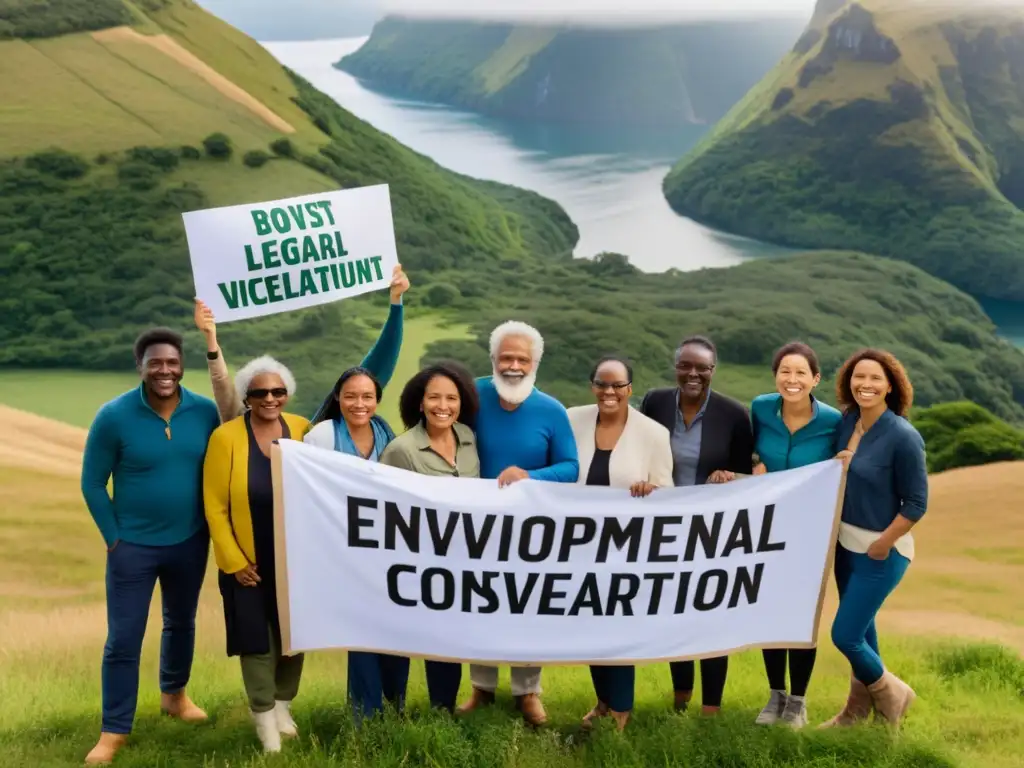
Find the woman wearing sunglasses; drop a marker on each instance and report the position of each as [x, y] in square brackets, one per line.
[618, 447]
[380, 361]
[239, 500]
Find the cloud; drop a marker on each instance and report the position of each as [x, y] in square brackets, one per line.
[620, 11]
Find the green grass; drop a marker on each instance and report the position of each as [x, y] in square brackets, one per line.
[969, 714]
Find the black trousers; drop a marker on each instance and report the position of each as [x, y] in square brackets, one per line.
[443, 681]
[713, 672]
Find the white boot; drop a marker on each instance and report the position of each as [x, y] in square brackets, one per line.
[266, 729]
[285, 724]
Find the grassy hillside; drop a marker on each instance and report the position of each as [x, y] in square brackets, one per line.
[953, 629]
[92, 246]
[658, 76]
[893, 128]
[101, 150]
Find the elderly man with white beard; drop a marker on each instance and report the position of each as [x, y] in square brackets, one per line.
[521, 433]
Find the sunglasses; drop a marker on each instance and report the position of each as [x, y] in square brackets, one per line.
[261, 394]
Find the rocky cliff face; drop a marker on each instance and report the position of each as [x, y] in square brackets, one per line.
[893, 128]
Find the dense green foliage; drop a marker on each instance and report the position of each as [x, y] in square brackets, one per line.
[837, 302]
[635, 76]
[924, 169]
[964, 434]
[49, 18]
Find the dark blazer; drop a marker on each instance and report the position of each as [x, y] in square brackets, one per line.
[727, 439]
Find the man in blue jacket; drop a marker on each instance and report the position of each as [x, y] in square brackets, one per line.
[521, 433]
[152, 441]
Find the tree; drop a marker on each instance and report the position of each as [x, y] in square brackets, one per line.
[283, 148]
[963, 434]
[255, 158]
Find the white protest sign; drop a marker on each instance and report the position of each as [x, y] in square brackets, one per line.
[261, 259]
[370, 557]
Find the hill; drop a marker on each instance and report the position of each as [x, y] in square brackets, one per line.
[960, 590]
[92, 247]
[891, 127]
[654, 76]
[115, 117]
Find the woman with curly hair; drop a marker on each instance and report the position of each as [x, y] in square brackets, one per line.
[886, 495]
[438, 407]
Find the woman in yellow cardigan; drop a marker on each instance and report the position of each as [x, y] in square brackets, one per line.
[239, 499]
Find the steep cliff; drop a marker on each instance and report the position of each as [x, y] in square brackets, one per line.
[891, 127]
[638, 76]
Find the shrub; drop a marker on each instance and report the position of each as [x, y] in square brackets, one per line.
[190, 153]
[283, 148]
[57, 162]
[138, 175]
[218, 145]
[964, 434]
[159, 157]
[441, 295]
[255, 158]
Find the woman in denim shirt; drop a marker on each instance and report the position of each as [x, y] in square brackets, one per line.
[791, 429]
[886, 496]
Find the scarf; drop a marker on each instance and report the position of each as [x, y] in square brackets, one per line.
[382, 435]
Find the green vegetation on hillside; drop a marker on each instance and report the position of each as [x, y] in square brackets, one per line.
[42, 18]
[92, 250]
[966, 435]
[895, 130]
[657, 77]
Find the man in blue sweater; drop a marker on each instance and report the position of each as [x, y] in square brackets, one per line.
[522, 433]
[152, 441]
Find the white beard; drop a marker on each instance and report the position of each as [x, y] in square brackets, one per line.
[514, 392]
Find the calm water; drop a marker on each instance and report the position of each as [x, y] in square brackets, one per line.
[608, 181]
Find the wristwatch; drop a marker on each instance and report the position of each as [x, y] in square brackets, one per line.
[212, 355]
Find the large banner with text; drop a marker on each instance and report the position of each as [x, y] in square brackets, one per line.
[253, 260]
[370, 557]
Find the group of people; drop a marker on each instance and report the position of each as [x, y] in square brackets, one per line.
[188, 471]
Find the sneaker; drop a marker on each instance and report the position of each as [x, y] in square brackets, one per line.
[795, 713]
[266, 729]
[773, 709]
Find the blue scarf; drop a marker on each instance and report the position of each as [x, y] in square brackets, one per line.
[382, 435]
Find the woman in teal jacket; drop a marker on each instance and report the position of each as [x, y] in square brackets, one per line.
[792, 429]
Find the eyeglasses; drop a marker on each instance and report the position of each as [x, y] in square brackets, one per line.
[261, 394]
[616, 385]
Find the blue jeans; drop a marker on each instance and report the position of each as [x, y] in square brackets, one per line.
[864, 584]
[374, 678]
[614, 686]
[132, 572]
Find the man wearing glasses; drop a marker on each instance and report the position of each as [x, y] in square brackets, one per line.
[712, 442]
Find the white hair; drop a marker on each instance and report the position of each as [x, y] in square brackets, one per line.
[259, 366]
[514, 328]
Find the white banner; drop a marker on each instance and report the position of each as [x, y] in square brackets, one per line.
[253, 260]
[376, 558]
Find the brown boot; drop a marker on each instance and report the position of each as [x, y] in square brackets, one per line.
[105, 749]
[479, 698]
[892, 697]
[858, 707]
[180, 706]
[682, 700]
[599, 711]
[532, 710]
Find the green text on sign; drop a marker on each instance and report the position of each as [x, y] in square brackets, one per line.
[278, 287]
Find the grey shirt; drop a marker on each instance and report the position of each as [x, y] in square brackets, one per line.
[686, 445]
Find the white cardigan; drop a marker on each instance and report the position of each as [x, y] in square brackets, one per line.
[643, 453]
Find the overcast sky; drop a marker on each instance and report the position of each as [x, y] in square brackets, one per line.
[619, 9]
[626, 10]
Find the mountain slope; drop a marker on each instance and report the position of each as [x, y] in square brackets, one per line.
[658, 77]
[892, 127]
[101, 136]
